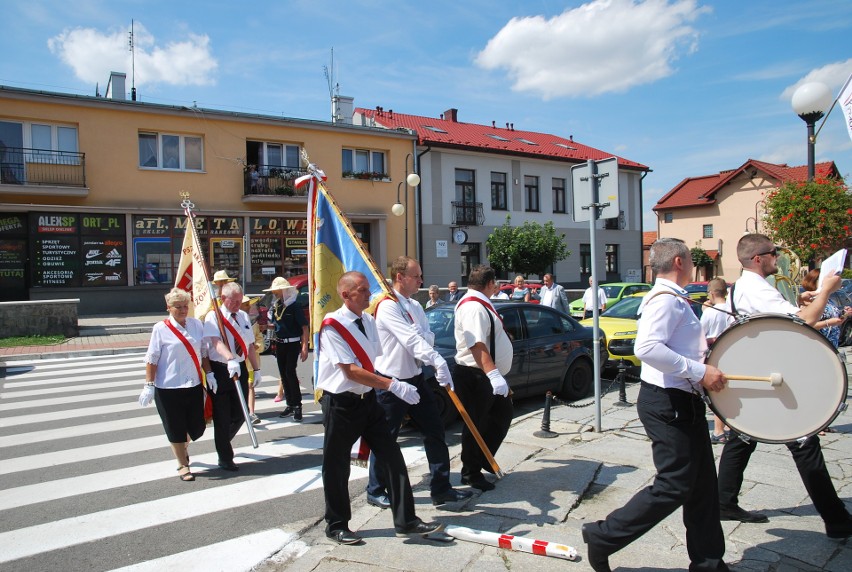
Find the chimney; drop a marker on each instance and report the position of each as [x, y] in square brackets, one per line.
[494, 124]
[115, 86]
[342, 107]
[511, 127]
[452, 114]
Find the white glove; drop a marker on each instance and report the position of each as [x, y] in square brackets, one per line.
[257, 379]
[147, 395]
[442, 374]
[233, 368]
[498, 383]
[404, 391]
[212, 384]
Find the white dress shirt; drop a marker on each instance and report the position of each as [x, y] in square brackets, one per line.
[473, 326]
[752, 294]
[242, 324]
[669, 340]
[334, 350]
[175, 367]
[588, 301]
[405, 338]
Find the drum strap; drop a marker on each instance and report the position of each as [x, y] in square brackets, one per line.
[733, 304]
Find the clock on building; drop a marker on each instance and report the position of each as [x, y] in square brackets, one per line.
[459, 236]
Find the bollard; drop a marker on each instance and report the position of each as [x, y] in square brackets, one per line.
[545, 419]
[622, 391]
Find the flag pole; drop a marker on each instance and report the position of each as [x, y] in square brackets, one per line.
[190, 227]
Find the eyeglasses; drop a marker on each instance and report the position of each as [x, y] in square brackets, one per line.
[773, 252]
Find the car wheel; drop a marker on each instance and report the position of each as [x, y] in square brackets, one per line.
[578, 381]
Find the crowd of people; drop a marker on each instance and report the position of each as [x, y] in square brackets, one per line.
[374, 370]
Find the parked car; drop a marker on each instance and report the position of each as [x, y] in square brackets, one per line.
[698, 291]
[614, 292]
[551, 351]
[619, 326]
[266, 299]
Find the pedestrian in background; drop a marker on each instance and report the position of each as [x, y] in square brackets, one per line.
[173, 366]
[589, 300]
[434, 296]
[453, 295]
[520, 292]
[553, 295]
[291, 342]
[258, 347]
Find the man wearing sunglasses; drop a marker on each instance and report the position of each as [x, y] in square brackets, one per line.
[752, 294]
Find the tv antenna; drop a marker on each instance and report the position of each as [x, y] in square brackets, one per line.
[132, 64]
[333, 89]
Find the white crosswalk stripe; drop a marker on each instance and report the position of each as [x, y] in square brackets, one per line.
[81, 465]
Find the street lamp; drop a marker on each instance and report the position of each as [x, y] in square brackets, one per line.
[810, 102]
[411, 180]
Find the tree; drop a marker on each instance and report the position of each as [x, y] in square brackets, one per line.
[812, 219]
[700, 259]
[527, 249]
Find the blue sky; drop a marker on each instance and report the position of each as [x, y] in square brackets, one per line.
[684, 86]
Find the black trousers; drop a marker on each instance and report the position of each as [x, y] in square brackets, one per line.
[347, 416]
[809, 461]
[425, 415]
[491, 414]
[227, 411]
[675, 422]
[287, 356]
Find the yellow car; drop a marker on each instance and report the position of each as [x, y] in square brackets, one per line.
[619, 325]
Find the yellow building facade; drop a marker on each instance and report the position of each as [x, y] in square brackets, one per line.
[90, 195]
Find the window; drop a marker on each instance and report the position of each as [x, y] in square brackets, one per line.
[541, 323]
[585, 259]
[558, 195]
[668, 217]
[708, 231]
[357, 161]
[612, 258]
[465, 186]
[531, 193]
[498, 192]
[170, 151]
[266, 155]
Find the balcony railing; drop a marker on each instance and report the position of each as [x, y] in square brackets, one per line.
[274, 181]
[469, 214]
[25, 166]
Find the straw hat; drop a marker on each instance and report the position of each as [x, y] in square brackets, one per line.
[222, 275]
[279, 284]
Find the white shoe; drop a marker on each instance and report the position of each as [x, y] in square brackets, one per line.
[254, 419]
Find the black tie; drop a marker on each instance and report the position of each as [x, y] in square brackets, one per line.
[360, 325]
[239, 349]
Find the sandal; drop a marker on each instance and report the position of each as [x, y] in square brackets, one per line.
[185, 474]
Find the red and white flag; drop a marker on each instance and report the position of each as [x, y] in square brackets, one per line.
[191, 275]
[845, 101]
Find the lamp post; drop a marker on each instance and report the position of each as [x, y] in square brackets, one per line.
[411, 180]
[810, 102]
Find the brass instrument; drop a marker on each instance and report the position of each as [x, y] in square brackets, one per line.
[789, 275]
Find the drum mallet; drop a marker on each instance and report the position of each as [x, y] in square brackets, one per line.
[773, 379]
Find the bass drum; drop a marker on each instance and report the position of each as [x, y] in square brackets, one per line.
[813, 390]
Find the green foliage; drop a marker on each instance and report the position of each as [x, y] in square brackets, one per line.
[700, 257]
[527, 249]
[17, 341]
[812, 219]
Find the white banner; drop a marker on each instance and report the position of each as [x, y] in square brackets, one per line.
[845, 101]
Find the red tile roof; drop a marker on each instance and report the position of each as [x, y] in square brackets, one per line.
[446, 132]
[648, 238]
[700, 191]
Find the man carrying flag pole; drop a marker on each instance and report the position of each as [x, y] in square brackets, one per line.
[194, 277]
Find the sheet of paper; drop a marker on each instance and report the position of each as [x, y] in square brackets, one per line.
[831, 266]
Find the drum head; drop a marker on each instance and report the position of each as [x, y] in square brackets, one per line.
[809, 397]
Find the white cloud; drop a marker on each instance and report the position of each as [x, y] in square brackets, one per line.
[833, 75]
[601, 47]
[92, 54]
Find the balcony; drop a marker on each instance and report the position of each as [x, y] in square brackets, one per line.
[467, 214]
[273, 184]
[42, 171]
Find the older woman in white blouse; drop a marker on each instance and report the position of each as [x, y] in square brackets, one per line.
[173, 378]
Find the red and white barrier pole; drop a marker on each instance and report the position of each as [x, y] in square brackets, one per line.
[509, 542]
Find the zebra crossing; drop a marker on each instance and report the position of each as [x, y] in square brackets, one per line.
[88, 481]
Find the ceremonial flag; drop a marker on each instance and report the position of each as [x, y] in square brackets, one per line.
[191, 276]
[845, 100]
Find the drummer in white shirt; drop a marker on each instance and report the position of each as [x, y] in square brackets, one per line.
[752, 294]
[671, 345]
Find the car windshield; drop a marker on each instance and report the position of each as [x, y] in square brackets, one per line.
[693, 288]
[612, 291]
[442, 325]
[625, 308]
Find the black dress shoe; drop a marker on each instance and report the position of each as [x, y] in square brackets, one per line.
[344, 536]
[842, 529]
[478, 482]
[598, 559]
[380, 501]
[451, 495]
[229, 466]
[420, 528]
[297, 413]
[738, 513]
[288, 411]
